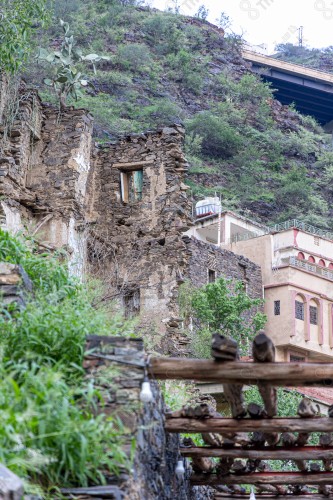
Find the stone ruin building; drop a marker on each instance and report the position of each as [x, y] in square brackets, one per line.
[119, 210]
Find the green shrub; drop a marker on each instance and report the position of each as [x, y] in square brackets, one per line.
[50, 434]
[135, 57]
[218, 137]
[164, 112]
[222, 306]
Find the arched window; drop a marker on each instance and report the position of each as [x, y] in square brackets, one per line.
[311, 259]
[321, 263]
[330, 265]
[301, 256]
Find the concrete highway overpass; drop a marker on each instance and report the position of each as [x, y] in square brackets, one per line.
[310, 90]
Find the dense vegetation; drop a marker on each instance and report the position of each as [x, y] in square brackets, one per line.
[266, 161]
[222, 306]
[49, 433]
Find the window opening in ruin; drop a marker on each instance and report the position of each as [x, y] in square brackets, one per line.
[296, 359]
[131, 185]
[211, 276]
[277, 307]
[3, 220]
[131, 303]
[314, 315]
[299, 310]
[245, 285]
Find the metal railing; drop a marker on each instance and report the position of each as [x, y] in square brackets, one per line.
[245, 236]
[304, 226]
[307, 266]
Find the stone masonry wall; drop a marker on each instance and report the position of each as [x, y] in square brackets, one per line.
[137, 247]
[117, 367]
[204, 256]
[44, 167]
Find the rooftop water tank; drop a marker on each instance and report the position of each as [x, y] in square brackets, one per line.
[208, 206]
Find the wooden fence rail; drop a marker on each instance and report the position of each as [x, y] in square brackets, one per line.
[264, 478]
[237, 372]
[266, 453]
[231, 425]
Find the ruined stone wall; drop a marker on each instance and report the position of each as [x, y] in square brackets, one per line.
[117, 367]
[44, 167]
[137, 246]
[205, 256]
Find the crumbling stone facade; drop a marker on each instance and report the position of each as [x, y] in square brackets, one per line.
[136, 242]
[119, 210]
[44, 166]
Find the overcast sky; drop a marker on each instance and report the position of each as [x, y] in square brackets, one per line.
[269, 21]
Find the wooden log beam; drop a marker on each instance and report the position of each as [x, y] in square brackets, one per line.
[230, 425]
[264, 496]
[277, 374]
[267, 453]
[264, 478]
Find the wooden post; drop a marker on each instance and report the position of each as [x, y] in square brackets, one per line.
[226, 349]
[263, 351]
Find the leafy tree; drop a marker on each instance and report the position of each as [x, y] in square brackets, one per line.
[18, 20]
[68, 81]
[221, 306]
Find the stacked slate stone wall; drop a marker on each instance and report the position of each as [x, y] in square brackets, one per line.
[117, 367]
[205, 256]
[137, 247]
[14, 284]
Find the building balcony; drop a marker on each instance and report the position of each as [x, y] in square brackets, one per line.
[308, 267]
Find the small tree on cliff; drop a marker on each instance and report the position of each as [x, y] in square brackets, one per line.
[222, 306]
[67, 80]
[18, 20]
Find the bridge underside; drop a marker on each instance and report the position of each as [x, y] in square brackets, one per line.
[309, 97]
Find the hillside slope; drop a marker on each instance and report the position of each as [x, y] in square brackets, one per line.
[265, 160]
